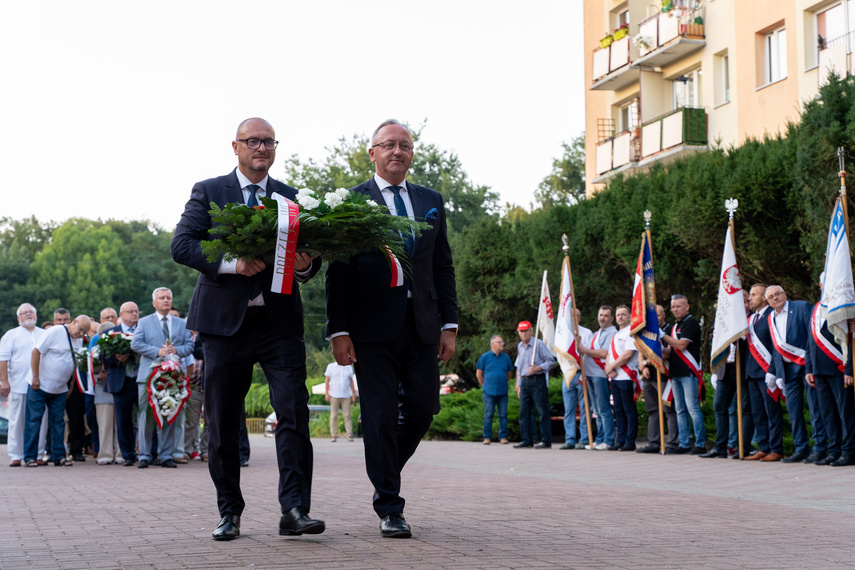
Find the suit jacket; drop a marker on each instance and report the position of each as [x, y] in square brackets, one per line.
[798, 332]
[752, 369]
[359, 299]
[115, 369]
[148, 339]
[219, 302]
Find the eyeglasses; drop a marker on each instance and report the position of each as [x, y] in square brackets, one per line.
[390, 145]
[255, 144]
[774, 295]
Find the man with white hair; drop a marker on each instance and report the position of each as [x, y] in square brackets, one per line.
[16, 351]
[52, 366]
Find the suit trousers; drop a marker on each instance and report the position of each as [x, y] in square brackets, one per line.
[125, 402]
[797, 390]
[651, 405]
[837, 407]
[725, 395]
[75, 407]
[399, 391]
[228, 375]
[768, 417]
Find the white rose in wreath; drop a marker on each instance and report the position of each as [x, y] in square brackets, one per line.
[333, 199]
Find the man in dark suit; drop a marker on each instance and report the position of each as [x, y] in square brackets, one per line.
[242, 322]
[789, 325]
[393, 332]
[122, 383]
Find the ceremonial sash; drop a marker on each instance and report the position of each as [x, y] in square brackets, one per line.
[397, 270]
[775, 394]
[831, 351]
[789, 351]
[598, 361]
[668, 392]
[633, 375]
[693, 365]
[286, 245]
[762, 356]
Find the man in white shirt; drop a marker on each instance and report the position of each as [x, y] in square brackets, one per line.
[16, 351]
[622, 369]
[340, 393]
[52, 366]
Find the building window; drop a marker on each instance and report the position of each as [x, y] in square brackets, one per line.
[687, 89]
[622, 18]
[830, 26]
[722, 79]
[775, 44]
[630, 118]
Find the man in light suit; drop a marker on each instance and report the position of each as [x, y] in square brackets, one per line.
[157, 335]
[393, 335]
[791, 322]
[242, 322]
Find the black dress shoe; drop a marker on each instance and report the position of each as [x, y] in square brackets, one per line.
[844, 460]
[129, 463]
[244, 462]
[228, 529]
[628, 447]
[815, 456]
[522, 445]
[713, 453]
[296, 522]
[77, 457]
[155, 461]
[795, 457]
[697, 450]
[677, 450]
[394, 526]
[542, 445]
[828, 459]
[568, 446]
[144, 463]
[650, 448]
[169, 463]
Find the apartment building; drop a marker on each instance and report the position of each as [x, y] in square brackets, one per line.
[669, 78]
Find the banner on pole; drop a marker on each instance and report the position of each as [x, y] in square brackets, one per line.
[731, 321]
[644, 322]
[545, 317]
[565, 331]
[838, 293]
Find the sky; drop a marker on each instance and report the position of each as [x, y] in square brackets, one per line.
[114, 109]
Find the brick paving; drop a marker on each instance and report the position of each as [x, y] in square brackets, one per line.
[470, 506]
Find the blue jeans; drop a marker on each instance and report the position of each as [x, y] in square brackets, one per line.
[598, 392]
[37, 401]
[686, 401]
[533, 393]
[490, 404]
[573, 397]
[626, 414]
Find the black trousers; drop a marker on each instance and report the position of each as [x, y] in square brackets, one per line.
[228, 375]
[125, 400]
[75, 407]
[399, 392]
[651, 405]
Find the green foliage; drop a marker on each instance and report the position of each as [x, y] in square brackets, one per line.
[257, 402]
[566, 183]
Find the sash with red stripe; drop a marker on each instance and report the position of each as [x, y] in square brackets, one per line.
[693, 365]
[762, 356]
[633, 375]
[831, 351]
[793, 353]
[397, 270]
[598, 361]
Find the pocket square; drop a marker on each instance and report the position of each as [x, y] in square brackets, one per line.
[431, 215]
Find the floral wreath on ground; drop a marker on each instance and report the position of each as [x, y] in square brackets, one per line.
[168, 389]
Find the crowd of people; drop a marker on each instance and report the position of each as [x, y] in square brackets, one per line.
[787, 358]
[54, 416]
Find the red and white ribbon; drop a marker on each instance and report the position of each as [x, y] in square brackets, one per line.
[668, 393]
[762, 356]
[286, 245]
[816, 322]
[397, 270]
[598, 361]
[633, 375]
[793, 353]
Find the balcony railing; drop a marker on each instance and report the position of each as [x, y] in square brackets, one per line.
[668, 37]
[611, 69]
[619, 151]
[685, 126]
[835, 56]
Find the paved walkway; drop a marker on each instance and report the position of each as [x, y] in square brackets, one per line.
[470, 506]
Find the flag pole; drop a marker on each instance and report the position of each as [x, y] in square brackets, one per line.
[731, 205]
[841, 158]
[566, 249]
[647, 216]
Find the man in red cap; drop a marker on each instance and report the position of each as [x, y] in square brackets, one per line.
[533, 364]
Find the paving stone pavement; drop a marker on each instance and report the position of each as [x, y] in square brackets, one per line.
[470, 506]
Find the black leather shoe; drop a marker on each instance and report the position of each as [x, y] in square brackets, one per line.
[828, 459]
[650, 448]
[713, 453]
[394, 526]
[844, 460]
[677, 450]
[244, 462]
[795, 457]
[568, 446]
[129, 463]
[522, 445]
[697, 450]
[228, 529]
[155, 461]
[815, 456]
[296, 522]
[169, 463]
[144, 463]
[628, 447]
[542, 445]
[77, 457]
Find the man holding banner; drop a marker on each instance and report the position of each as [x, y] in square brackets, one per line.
[243, 321]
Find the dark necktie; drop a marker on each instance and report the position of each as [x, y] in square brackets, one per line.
[401, 210]
[252, 201]
[165, 328]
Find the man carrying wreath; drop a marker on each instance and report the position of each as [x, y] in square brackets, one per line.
[241, 322]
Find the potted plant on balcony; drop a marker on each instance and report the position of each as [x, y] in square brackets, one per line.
[667, 5]
[643, 42]
[606, 41]
[621, 32]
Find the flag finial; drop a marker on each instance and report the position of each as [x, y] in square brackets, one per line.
[565, 248]
[731, 204]
[647, 215]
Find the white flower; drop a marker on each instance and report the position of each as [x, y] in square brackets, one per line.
[303, 192]
[333, 199]
[308, 202]
[342, 193]
[371, 203]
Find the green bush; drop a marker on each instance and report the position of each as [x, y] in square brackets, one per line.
[319, 424]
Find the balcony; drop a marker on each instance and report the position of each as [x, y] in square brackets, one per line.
[835, 56]
[665, 138]
[666, 38]
[611, 70]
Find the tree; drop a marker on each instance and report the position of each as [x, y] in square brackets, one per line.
[566, 183]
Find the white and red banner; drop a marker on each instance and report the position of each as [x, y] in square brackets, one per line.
[286, 245]
[730, 317]
[565, 329]
[823, 343]
[545, 317]
[838, 291]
